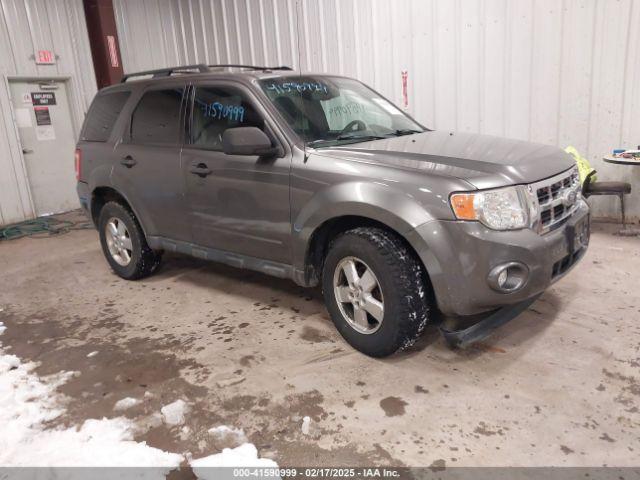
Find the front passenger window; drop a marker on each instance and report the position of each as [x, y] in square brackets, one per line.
[216, 109]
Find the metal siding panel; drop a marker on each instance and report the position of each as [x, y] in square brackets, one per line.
[494, 57]
[295, 45]
[309, 29]
[470, 66]
[15, 202]
[25, 27]
[330, 46]
[518, 78]
[365, 54]
[534, 69]
[576, 73]
[446, 75]
[547, 47]
[20, 35]
[607, 92]
[7, 54]
[631, 107]
[422, 72]
[401, 48]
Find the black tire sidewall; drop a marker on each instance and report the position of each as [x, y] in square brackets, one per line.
[115, 210]
[386, 339]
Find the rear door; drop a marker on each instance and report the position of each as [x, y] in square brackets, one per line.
[241, 203]
[147, 169]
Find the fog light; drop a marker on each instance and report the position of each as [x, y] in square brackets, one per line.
[508, 277]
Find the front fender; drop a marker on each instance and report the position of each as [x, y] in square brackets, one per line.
[373, 200]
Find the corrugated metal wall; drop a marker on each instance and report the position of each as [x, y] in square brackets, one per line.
[552, 71]
[27, 26]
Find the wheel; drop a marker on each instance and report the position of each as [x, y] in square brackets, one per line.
[375, 291]
[124, 244]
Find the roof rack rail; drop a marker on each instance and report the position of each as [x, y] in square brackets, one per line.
[167, 72]
[200, 67]
[252, 67]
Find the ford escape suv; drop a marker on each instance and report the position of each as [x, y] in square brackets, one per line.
[320, 179]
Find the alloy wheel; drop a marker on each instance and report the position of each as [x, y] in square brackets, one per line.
[118, 241]
[358, 294]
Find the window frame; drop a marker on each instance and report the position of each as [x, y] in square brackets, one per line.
[250, 98]
[130, 95]
[127, 137]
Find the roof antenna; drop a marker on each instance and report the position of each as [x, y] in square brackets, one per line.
[304, 140]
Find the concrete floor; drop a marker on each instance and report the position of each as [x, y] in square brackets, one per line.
[559, 385]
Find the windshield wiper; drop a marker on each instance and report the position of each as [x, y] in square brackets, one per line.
[351, 136]
[407, 131]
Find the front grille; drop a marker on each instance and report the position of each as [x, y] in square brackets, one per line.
[557, 199]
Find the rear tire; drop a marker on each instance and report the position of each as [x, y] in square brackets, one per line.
[375, 290]
[124, 244]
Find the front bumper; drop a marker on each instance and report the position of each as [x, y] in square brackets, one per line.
[459, 256]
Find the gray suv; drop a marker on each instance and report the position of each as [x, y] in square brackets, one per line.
[320, 179]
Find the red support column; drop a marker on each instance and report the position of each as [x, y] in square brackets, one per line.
[103, 37]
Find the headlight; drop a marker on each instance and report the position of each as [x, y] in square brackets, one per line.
[500, 209]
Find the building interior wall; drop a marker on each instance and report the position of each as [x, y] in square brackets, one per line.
[560, 72]
[27, 26]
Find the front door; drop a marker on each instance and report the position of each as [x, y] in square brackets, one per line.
[237, 203]
[47, 137]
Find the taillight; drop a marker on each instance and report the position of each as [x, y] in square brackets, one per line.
[78, 157]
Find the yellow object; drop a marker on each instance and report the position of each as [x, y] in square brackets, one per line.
[584, 167]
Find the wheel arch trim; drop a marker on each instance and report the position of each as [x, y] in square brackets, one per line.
[118, 193]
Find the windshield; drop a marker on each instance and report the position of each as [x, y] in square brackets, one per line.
[329, 111]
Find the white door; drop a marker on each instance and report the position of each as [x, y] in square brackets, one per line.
[43, 117]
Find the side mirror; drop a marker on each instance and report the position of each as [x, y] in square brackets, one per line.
[248, 141]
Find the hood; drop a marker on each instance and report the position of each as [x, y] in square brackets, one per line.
[484, 161]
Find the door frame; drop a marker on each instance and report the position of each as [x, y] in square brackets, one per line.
[21, 166]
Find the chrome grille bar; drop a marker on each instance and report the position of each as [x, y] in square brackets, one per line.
[556, 199]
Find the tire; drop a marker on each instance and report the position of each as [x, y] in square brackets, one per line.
[128, 255]
[401, 289]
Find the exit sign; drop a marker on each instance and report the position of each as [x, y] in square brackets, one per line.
[45, 57]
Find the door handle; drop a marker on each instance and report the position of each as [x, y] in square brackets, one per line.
[27, 150]
[128, 161]
[200, 169]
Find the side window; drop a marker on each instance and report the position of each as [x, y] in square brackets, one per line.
[217, 108]
[103, 114]
[156, 118]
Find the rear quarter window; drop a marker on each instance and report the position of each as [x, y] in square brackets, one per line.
[103, 114]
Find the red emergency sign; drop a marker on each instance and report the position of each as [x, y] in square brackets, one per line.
[45, 57]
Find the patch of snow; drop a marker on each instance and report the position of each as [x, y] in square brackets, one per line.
[126, 403]
[27, 402]
[224, 433]
[8, 362]
[173, 414]
[2, 326]
[306, 423]
[246, 455]
[92, 354]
